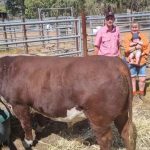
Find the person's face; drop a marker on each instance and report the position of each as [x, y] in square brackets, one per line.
[135, 28]
[109, 21]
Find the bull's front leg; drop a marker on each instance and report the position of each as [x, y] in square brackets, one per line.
[23, 114]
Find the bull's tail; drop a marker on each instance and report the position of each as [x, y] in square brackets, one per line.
[132, 137]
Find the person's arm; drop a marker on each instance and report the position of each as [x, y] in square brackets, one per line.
[126, 43]
[133, 44]
[140, 42]
[119, 42]
[145, 45]
[97, 42]
[138, 46]
[131, 49]
[96, 49]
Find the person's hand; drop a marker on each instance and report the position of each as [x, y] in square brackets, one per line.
[96, 50]
[132, 49]
[140, 42]
[143, 53]
[138, 46]
[133, 44]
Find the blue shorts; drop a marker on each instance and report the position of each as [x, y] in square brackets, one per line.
[139, 71]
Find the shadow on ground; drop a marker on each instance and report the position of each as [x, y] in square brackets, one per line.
[81, 131]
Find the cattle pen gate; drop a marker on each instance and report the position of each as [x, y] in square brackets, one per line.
[64, 35]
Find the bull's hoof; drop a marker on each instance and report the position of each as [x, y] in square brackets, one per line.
[27, 143]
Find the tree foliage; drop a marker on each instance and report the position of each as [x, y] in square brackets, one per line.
[14, 7]
[92, 7]
[2, 8]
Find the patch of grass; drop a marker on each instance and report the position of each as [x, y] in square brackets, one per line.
[11, 51]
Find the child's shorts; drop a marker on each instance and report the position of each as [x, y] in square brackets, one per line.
[139, 71]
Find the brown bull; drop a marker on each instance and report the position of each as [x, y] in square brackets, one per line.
[67, 89]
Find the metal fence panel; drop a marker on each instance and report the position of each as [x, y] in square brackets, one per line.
[62, 36]
[55, 37]
[122, 20]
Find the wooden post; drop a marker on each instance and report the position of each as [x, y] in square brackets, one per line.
[25, 35]
[57, 32]
[5, 32]
[76, 32]
[84, 34]
[24, 26]
[41, 26]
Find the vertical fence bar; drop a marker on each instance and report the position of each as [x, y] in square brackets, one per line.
[15, 37]
[41, 26]
[131, 10]
[5, 33]
[80, 38]
[84, 34]
[57, 32]
[25, 35]
[76, 33]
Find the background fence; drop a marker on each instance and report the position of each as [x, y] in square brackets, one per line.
[122, 20]
[55, 36]
[61, 35]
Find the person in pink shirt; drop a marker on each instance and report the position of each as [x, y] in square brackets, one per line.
[107, 40]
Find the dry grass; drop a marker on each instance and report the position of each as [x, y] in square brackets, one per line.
[141, 115]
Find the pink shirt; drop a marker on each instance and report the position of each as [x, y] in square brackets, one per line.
[108, 41]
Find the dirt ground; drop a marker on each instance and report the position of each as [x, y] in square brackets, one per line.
[57, 136]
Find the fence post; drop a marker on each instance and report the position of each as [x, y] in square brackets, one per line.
[57, 32]
[84, 34]
[41, 25]
[5, 33]
[25, 35]
[76, 33]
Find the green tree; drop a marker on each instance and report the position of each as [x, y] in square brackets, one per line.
[14, 7]
[92, 7]
[33, 5]
[2, 8]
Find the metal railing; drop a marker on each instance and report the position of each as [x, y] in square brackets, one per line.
[56, 35]
[121, 20]
[62, 36]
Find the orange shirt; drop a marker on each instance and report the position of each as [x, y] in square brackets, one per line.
[145, 47]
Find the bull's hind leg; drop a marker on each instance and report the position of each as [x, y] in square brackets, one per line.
[102, 130]
[104, 137]
[125, 129]
[23, 114]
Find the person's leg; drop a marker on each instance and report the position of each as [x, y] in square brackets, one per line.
[137, 56]
[142, 79]
[142, 87]
[131, 56]
[133, 72]
[142, 84]
[134, 85]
